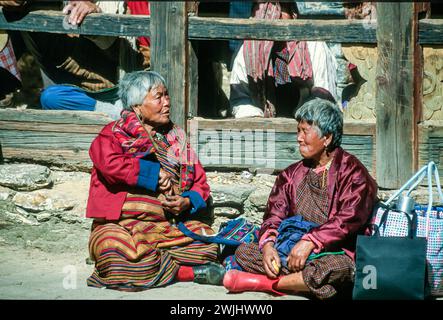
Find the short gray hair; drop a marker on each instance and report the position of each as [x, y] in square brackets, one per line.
[133, 87]
[325, 116]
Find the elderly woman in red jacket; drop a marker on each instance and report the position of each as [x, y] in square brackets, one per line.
[333, 193]
[146, 178]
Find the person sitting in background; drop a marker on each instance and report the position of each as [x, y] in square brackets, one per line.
[321, 204]
[9, 73]
[267, 76]
[145, 178]
[79, 72]
[143, 43]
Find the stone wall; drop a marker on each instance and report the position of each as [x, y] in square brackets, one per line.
[45, 209]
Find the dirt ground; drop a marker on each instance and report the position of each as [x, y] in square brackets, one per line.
[34, 274]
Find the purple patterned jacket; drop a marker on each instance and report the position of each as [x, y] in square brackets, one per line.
[352, 193]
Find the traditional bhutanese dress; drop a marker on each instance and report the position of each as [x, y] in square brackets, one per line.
[339, 199]
[143, 248]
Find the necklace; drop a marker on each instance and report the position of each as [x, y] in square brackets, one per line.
[325, 171]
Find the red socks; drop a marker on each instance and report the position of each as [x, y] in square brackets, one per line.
[185, 273]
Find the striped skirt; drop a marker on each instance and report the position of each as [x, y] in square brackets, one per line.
[143, 250]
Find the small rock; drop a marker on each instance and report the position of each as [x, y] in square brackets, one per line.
[69, 218]
[44, 216]
[259, 198]
[41, 201]
[226, 212]
[6, 193]
[230, 195]
[25, 177]
[246, 175]
[10, 214]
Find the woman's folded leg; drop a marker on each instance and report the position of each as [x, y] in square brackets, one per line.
[119, 265]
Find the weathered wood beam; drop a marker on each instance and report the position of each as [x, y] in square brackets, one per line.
[54, 117]
[199, 27]
[256, 149]
[351, 31]
[93, 24]
[430, 31]
[354, 31]
[168, 52]
[363, 128]
[395, 93]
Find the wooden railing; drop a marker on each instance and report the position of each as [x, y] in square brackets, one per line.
[397, 33]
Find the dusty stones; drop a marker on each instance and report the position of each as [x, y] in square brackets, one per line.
[41, 201]
[259, 198]
[43, 217]
[25, 177]
[6, 193]
[226, 212]
[230, 195]
[10, 215]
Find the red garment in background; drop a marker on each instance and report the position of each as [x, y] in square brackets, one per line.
[140, 8]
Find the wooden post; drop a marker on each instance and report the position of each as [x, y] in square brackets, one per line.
[168, 52]
[192, 70]
[419, 9]
[395, 127]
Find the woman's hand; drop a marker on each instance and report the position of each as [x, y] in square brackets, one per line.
[78, 10]
[271, 260]
[176, 204]
[164, 181]
[299, 254]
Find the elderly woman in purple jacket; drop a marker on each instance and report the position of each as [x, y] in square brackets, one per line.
[332, 192]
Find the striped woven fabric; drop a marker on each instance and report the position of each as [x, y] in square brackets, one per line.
[257, 53]
[171, 148]
[143, 250]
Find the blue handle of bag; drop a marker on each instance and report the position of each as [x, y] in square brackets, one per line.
[414, 181]
[207, 239]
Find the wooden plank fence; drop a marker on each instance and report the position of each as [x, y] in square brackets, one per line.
[393, 147]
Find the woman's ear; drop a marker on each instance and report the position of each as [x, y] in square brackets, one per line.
[136, 109]
[327, 139]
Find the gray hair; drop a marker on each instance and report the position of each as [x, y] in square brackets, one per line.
[325, 116]
[134, 86]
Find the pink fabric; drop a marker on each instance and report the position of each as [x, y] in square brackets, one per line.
[257, 52]
[115, 173]
[175, 156]
[8, 60]
[269, 235]
[352, 193]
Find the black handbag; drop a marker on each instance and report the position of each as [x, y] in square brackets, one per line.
[390, 268]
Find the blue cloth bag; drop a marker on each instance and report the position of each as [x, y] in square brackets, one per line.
[291, 230]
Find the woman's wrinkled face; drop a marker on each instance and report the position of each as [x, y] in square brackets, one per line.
[155, 107]
[311, 146]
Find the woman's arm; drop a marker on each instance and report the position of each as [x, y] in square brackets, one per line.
[199, 193]
[278, 206]
[356, 197]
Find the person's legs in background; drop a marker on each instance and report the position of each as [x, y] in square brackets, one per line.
[64, 97]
